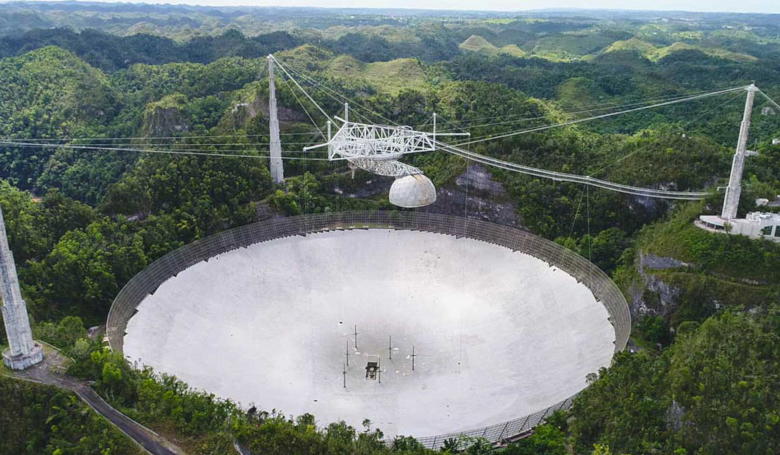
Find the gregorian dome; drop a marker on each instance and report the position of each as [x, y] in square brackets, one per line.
[412, 191]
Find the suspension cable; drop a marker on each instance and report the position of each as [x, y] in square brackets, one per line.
[770, 99]
[168, 152]
[584, 108]
[564, 177]
[592, 174]
[98, 138]
[611, 114]
[544, 117]
[338, 95]
[304, 108]
[301, 88]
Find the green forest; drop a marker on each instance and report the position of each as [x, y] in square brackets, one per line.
[128, 131]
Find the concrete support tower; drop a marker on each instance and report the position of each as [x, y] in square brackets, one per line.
[277, 169]
[23, 351]
[733, 191]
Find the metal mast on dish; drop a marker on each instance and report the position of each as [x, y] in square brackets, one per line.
[378, 148]
[23, 352]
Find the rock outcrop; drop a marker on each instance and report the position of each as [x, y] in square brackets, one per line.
[166, 117]
[653, 296]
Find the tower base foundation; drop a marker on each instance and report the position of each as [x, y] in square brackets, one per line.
[21, 362]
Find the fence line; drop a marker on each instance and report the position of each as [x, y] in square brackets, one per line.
[148, 280]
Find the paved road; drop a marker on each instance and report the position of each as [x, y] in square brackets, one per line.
[146, 438]
[124, 423]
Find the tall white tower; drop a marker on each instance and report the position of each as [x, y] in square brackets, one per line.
[23, 351]
[277, 169]
[733, 191]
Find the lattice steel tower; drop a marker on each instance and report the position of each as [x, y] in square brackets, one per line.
[23, 352]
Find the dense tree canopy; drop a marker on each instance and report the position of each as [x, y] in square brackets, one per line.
[714, 391]
[40, 419]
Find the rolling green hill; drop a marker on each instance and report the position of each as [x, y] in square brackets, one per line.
[390, 77]
[476, 43]
[53, 84]
[655, 53]
[480, 45]
[569, 46]
[48, 93]
[388, 32]
[580, 91]
[633, 44]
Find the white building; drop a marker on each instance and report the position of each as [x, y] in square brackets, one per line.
[756, 225]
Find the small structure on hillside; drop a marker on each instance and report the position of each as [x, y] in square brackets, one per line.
[756, 225]
[22, 352]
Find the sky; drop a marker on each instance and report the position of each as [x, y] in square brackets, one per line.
[741, 6]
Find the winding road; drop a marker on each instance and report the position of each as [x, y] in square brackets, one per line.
[45, 373]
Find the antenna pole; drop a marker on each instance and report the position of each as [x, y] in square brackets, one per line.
[390, 348]
[347, 352]
[733, 191]
[379, 370]
[345, 376]
[356, 333]
[413, 356]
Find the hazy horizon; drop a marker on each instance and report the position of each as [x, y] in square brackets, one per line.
[696, 6]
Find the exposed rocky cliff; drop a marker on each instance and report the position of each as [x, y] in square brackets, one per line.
[652, 296]
[678, 291]
[166, 117]
[257, 104]
[477, 195]
[474, 193]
